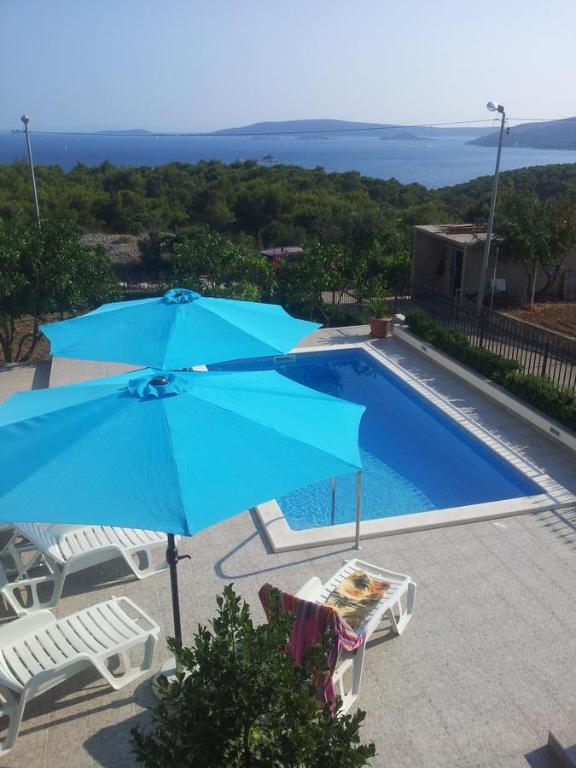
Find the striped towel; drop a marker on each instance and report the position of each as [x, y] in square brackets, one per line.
[312, 622]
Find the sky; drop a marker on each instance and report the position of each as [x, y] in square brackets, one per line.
[186, 65]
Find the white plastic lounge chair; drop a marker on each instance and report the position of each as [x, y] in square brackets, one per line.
[39, 651]
[397, 606]
[37, 558]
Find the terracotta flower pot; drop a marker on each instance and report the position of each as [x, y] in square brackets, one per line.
[380, 327]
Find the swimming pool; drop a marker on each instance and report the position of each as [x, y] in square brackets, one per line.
[418, 460]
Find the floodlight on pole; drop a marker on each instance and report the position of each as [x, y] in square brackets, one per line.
[25, 119]
[492, 107]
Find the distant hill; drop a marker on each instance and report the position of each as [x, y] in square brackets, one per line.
[556, 134]
[341, 127]
[300, 126]
[127, 132]
[322, 129]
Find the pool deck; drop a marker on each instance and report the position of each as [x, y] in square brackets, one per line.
[483, 671]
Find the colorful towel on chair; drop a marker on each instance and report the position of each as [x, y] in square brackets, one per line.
[312, 622]
[357, 596]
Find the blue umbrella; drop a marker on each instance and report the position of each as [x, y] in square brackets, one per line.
[179, 330]
[176, 452]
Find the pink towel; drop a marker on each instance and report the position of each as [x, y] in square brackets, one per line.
[312, 622]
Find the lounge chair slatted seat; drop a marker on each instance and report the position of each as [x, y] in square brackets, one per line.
[39, 651]
[397, 605]
[36, 558]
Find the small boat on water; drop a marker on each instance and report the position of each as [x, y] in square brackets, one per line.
[270, 160]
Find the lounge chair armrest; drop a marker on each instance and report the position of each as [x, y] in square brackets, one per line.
[134, 611]
[16, 629]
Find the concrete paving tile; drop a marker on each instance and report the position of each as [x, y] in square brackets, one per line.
[483, 669]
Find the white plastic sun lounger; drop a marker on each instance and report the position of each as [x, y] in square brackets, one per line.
[39, 651]
[397, 606]
[37, 558]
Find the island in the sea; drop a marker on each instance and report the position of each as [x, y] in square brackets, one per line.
[552, 134]
[403, 136]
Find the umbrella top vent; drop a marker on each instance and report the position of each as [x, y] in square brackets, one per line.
[157, 386]
[180, 296]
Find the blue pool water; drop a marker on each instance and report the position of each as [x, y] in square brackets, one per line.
[414, 457]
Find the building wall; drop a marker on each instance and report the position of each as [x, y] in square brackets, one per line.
[430, 264]
[518, 281]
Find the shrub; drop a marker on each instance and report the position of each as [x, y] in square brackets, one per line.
[490, 364]
[451, 341]
[538, 391]
[541, 393]
[420, 324]
[456, 344]
[240, 702]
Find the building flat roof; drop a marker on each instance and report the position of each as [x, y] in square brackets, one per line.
[457, 234]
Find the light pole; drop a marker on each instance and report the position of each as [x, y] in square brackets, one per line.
[486, 254]
[25, 119]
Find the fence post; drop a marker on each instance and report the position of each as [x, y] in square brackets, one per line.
[545, 360]
[481, 327]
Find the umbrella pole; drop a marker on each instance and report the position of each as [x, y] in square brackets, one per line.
[172, 557]
[358, 502]
[170, 668]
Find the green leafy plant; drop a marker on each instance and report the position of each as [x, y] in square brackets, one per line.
[539, 391]
[46, 270]
[240, 702]
[379, 308]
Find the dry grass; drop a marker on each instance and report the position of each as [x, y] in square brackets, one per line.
[560, 317]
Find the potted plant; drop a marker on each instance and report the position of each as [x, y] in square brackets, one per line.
[380, 318]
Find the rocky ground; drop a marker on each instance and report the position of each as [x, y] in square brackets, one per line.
[558, 316]
[120, 249]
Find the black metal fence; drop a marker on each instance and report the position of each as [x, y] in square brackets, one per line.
[346, 306]
[539, 352]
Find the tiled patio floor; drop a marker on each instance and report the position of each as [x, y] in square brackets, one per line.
[485, 668]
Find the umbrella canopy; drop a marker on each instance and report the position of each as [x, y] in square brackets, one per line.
[179, 330]
[174, 452]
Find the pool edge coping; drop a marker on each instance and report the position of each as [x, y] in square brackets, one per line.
[282, 538]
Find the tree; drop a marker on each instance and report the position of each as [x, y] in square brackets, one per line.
[319, 268]
[210, 263]
[152, 246]
[559, 216]
[539, 234]
[396, 273]
[240, 702]
[42, 270]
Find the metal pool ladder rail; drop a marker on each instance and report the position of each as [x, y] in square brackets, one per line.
[358, 505]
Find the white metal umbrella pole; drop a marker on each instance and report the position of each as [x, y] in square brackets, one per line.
[358, 504]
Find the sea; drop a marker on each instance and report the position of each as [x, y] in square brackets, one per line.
[437, 161]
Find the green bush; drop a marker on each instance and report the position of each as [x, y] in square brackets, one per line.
[456, 344]
[538, 391]
[542, 394]
[420, 324]
[240, 702]
[453, 342]
[490, 364]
